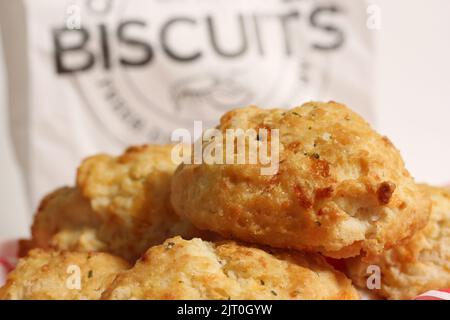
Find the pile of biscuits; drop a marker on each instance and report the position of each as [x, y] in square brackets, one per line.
[340, 213]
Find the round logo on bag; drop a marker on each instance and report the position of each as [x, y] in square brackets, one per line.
[145, 68]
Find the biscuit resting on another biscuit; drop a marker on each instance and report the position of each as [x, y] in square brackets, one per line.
[197, 269]
[419, 265]
[119, 205]
[341, 189]
[52, 275]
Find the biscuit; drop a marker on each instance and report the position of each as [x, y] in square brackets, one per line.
[197, 269]
[120, 205]
[419, 265]
[341, 189]
[52, 275]
[64, 221]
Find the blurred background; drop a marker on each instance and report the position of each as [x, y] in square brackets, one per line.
[412, 98]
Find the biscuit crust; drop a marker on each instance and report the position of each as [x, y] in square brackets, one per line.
[341, 188]
[64, 221]
[197, 269]
[49, 275]
[419, 265]
[120, 205]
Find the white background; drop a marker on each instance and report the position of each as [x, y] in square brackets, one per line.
[413, 101]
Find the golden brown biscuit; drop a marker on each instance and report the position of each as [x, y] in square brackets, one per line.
[120, 205]
[64, 221]
[341, 188]
[52, 275]
[131, 193]
[421, 264]
[197, 269]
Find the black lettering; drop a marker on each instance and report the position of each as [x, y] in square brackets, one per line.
[145, 47]
[285, 18]
[61, 50]
[164, 43]
[338, 34]
[213, 38]
[105, 47]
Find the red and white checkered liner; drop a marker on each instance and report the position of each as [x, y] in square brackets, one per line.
[8, 258]
[5, 267]
[435, 295]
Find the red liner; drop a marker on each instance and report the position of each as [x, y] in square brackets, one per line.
[443, 294]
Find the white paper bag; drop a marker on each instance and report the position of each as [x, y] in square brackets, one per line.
[95, 76]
